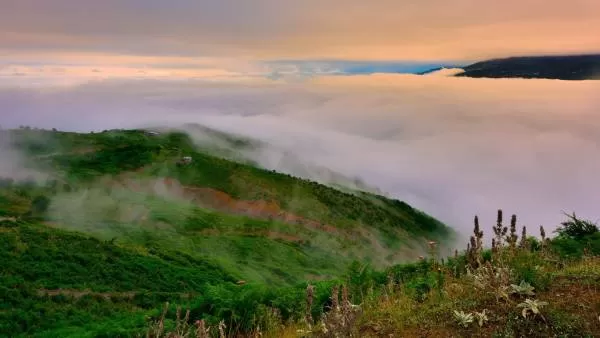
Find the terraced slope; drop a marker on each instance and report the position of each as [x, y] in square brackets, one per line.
[131, 187]
[55, 283]
[270, 227]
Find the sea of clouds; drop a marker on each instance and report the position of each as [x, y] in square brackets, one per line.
[453, 147]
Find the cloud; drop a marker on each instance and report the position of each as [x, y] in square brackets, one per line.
[453, 147]
[311, 68]
[78, 68]
[56, 69]
[445, 72]
[13, 164]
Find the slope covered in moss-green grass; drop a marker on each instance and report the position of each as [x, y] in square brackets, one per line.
[118, 214]
[131, 186]
[44, 268]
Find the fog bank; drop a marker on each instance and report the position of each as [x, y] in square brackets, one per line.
[453, 147]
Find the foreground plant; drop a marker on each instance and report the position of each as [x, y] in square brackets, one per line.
[523, 289]
[492, 279]
[532, 306]
[463, 319]
[481, 317]
[182, 327]
[341, 319]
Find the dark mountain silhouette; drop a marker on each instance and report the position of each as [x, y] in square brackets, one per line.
[567, 67]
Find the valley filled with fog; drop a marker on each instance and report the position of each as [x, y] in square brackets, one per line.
[452, 147]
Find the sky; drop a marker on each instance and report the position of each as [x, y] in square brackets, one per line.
[319, 80]
[85, 39]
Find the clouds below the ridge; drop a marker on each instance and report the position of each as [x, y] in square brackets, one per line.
[453, 147]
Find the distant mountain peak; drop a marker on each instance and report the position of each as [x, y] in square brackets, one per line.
[560, 67]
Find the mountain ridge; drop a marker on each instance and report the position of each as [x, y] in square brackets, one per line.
[132, 184]
[560, 67]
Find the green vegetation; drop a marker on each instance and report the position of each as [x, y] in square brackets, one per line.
[86, 157]
[271, 227]
[122, 225]
[62, 283]
[37, 258]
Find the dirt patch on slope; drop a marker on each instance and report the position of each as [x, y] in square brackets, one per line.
[580, 296]
[129, 295]
[267, 210]
[221, 201]
[80, 293]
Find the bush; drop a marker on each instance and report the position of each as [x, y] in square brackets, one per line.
[571, 248]
[530, 268]
[576, 228]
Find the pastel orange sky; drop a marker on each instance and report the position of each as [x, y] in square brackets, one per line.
[229, 35]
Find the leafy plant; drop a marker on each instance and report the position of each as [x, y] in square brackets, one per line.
[463, 319]
[503, 292]
[340, 320]
[481, 317]
[532, 306]
[523, 289]
[492, 279]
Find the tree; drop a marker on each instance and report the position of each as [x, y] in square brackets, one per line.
[40, 204]
[6, 182]
[576, 228]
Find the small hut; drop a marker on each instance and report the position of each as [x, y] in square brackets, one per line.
[184, 160]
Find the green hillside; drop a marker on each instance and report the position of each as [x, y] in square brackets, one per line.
[113, 235]
[119, 215]
[130, 186]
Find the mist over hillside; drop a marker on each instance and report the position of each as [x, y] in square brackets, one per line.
[450, 146]
[271, 156]
[139, 188]
[14, 164]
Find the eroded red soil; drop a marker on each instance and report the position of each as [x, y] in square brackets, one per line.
[219, 200]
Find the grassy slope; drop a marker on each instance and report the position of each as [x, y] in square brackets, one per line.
[572, 295]
[110, 287]
[418, 303]
[155, 245]
[59, 283]
[564, 273]
[335, 227]
[38, 258]
[419, 299]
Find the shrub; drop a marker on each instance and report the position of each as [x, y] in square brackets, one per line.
[576, 228]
